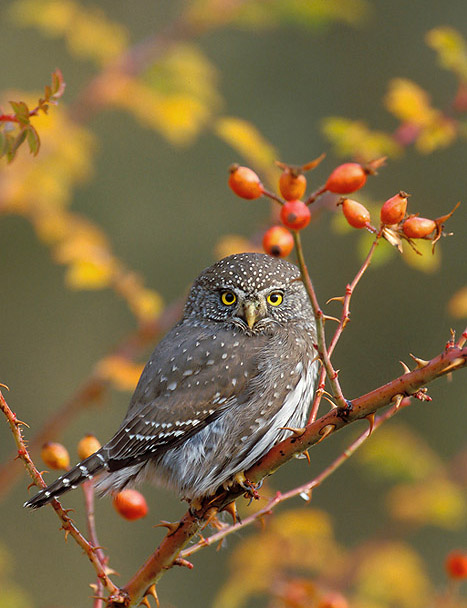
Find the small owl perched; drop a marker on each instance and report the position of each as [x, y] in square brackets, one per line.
[219, 388]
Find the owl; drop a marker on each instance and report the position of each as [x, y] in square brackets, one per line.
[219, 391]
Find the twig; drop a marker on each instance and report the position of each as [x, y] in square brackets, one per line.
[343, 322]
[67, 524]
[88, 491]
[319, 318]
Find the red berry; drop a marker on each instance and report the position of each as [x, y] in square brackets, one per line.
[87, 446]
[295, 215]
[418, 227]
[130, 504]
[278, 241]
[355, 213]
[245, 183]
[393, 210]
[456, 564]
[55, 455]
[292, 185]
[346, 178]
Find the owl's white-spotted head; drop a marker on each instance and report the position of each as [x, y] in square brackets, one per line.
[250, 291]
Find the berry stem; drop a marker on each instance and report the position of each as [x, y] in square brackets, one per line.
[323, 353]
[273, 196]
[343, 321]
[314, 195]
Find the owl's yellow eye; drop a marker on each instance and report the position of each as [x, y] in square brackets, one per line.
[228, 298]
[275, 298]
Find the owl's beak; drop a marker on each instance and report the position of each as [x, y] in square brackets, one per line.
[251, 313]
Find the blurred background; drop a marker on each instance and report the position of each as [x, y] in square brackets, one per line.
[147, 164]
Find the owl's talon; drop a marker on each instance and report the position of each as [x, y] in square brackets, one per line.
[251, 489]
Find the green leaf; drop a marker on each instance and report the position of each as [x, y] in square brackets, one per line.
[21, 111]
[34, 141]
[15, 143]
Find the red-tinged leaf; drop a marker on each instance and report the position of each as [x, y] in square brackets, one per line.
[34, 141]
[58, 84]
[21, 111]
[15, 143]
[47, 93]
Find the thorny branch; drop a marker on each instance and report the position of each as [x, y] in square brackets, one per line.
[171, 549]
[67, 524]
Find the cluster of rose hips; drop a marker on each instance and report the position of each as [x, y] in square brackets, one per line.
[345, 179]
[130, 504]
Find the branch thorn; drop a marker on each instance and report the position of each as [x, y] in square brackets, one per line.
[336, 299]
[329, 318]
[4, 386]
[325, 431]
[420, 362]
[297, 432]
[171, 526]
[397, 400]
[371, 421]
[407, 369]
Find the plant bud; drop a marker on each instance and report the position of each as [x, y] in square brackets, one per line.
[393, 210]
[55, 455]
[355, 213]
[87, 446]
[245, 183]
[130, 504]
[416, 227]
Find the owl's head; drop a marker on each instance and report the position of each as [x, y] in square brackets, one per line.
[251, 291]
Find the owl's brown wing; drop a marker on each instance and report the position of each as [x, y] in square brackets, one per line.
[192, 376]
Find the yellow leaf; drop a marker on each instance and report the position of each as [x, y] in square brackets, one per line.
[245, 139]
[435, 501]
[409, 102]
[89, 274]
[427, 261]
[353, 138]
[392, 574]
[124, 374]
[451, 48]
[439, 134]
[146, 304]
[458, 304]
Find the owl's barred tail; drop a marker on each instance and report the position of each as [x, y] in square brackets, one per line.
[70, 480]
